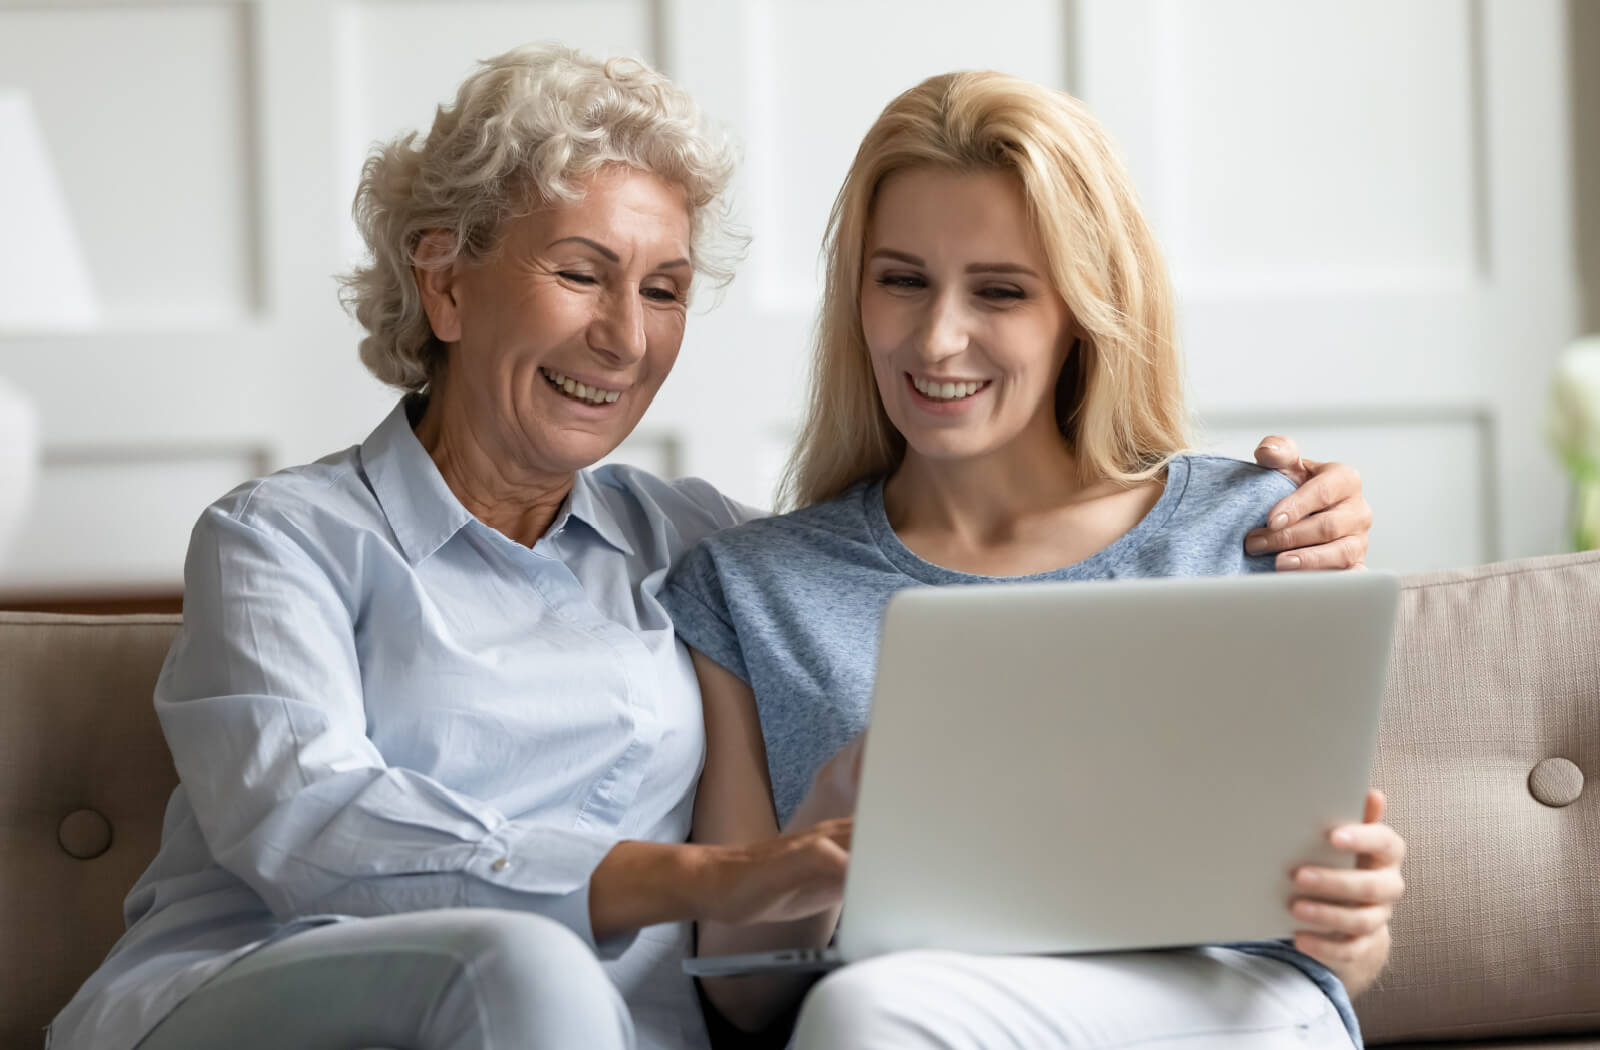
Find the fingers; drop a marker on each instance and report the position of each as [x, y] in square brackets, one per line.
[1322, 525]
[1277, 452]
[1320, 917]
[838, 831]
[1359, 886]
[1377, 803]
[1350, 517]
[1328, 485]
[1380, 845]
[1347, 552]
[1335, 951]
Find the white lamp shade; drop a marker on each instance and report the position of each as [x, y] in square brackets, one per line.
[44, 280]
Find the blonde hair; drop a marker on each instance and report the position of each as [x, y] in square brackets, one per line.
[1119, 400]
[525, 129]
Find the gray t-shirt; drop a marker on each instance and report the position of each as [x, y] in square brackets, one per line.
[792, 605]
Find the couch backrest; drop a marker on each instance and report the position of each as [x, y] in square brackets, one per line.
[1493, 705]
[1490, 753]
[84, 781]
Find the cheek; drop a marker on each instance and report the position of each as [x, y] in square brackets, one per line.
[539, 315]
[663, 340]
[1031, 345]
[883, 324]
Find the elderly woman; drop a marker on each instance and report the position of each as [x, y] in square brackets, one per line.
[437, 738]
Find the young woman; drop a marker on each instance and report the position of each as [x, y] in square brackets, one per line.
[997, 396]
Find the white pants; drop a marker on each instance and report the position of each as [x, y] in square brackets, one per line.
[1196, 999]
[453, 979]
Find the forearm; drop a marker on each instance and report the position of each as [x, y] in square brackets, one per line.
[641, 884]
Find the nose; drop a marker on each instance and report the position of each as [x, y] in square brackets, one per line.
[944, 328]
[617, 330]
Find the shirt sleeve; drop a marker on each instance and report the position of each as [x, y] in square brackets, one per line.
[696, 600]
[722, 511]
[1265, 488]
[262, 704]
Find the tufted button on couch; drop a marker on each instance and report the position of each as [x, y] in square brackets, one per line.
[1489, 751]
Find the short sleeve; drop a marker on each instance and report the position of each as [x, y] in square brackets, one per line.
[724, 512]
[697, 600]
[1223, 500]
[1266, 488]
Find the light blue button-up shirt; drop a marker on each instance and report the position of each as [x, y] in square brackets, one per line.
[379, 704]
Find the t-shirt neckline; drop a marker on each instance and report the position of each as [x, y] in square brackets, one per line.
[1094, 566]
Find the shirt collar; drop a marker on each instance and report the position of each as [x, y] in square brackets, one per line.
[586, 504]
[422, 511]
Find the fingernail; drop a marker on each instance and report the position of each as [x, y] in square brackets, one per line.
[1279, 520]
[1307, 877]
[1256, 544]
[1268, 445]
[1289, 561]
[1343, 838]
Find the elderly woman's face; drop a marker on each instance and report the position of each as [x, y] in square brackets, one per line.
[565, 335]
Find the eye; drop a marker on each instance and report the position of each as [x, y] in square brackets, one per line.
[575, 277]
[1002, 293]
[660, 295]
[902, 280]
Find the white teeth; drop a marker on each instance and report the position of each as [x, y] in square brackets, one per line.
[945, 391]
[592, 394]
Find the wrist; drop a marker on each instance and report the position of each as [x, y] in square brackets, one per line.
[641, 884]
[696, 878]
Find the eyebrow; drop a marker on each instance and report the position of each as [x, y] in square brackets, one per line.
[611, 255]
[984, 267]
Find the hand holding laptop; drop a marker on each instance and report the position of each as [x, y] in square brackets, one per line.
[1342, 913]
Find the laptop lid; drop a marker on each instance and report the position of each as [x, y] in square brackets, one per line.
[1071, 767]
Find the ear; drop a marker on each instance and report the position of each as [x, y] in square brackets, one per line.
[436, 282]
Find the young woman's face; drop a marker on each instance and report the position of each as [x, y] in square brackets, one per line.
[966, 332]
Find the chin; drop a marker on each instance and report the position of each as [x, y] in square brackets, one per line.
[943, 449]
[569, 453]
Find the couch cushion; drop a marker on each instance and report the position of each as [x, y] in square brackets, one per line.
[84, 781]
[1581, 1042]
[1496, 671]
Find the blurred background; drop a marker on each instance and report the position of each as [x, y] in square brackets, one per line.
[1382, 218]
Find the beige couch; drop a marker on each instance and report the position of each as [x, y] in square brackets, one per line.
[1490, 752]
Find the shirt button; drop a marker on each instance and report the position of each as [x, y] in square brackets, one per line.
[501, 864]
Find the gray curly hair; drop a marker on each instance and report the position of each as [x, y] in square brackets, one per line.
[525, 129]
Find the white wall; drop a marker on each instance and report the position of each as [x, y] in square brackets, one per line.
[1368, 207]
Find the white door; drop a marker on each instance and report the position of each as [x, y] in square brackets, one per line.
[1365, 206]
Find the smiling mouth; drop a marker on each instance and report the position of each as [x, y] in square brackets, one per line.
[945, 391]
[576, 391]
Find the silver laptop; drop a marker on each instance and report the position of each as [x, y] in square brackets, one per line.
[1085, 767]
